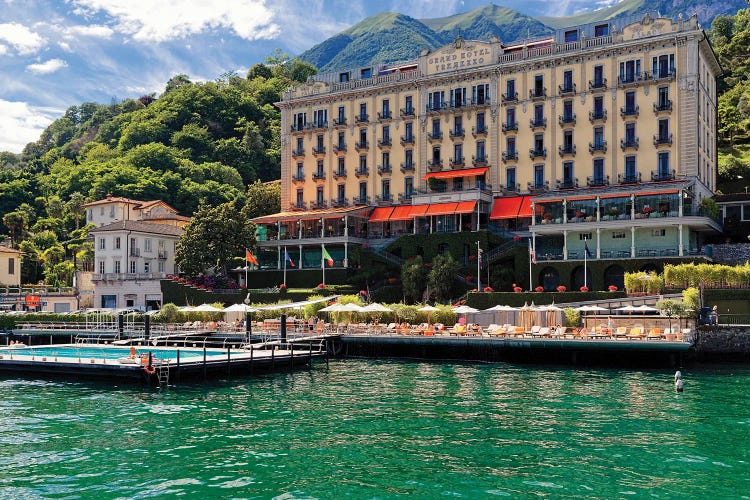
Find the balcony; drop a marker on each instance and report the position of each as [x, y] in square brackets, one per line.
[598, 147]
[434, 165]
[339, 123]
[480, 101]
[319, 176]
[362, 146]
[319, 151]
[300, 205]
[457, 133]
[385, 169]
[632, 143]
[299, 178]
[362, 118]
[629, 111]
[432, 109]
[298, 128]
[566, 89]
[511, 188]
[537, 186]
[320, 204]
[567, 150]
[663, 107]
[598, 116]
[663, 140]
[339, 203]
[509, 156]
[407, 140]
[480, 131]
[361, 200]
[385, 115]
[127, 276]
[384, 199]
[479, 161]
[316, 125]
[629, 179]
[535, 153]
[407, 167]
[632, 79]
[598, 84]
[339, 148]
[567, 183]
[510, 97]
[662, 175]
[339, 174]
[385, 142]
[597, 181]
[407, 112]
[457, 162]
[298, 153]
[135, 252]
[362, 172]
[162, 255]
[664, 75]
[537, 123]
[435, 137]
[539, 93]
[510, 127]
[567, 120]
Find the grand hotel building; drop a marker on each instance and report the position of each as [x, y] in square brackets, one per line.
[602, 135]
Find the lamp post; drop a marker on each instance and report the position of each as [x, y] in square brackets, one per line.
[248, 322]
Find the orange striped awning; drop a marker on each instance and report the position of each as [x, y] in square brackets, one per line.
[381, 214]
[466, 207]
[506, 208]
[442, 209]
[402, 212]
[525, 210]
[418, 210]
[653, 193]
[450, 174]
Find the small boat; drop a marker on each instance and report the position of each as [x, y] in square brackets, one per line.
[17, 346]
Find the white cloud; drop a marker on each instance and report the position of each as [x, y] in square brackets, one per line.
[20, 38]
[65, 46]
[21, 123]
[47, 67]
[3, 49]
[146, 20]
[94, 31]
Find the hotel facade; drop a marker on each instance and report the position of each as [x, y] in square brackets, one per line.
[598, 142]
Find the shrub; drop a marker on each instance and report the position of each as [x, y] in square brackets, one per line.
[572, 317]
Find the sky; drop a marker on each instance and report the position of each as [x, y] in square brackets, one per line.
[59, 53]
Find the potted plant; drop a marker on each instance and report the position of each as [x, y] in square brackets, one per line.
[282, 288]
[647, 210]
[488, 289]
[517, 289]
[584, 288]
[540, 288]
[612, 288]
[561, 288]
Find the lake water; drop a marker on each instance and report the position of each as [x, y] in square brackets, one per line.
[380, 429]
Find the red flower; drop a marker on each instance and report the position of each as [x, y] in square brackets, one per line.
[321, 286]
[539, 289]
[392, 280]
[517, 289]
[472, 257]
[488, 289]
[612, 288]
[516, 238]
[561, 288]
[584, 289]
[282, 286]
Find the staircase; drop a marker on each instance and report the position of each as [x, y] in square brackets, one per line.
[492, 255]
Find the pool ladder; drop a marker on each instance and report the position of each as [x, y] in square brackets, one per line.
[162, 373]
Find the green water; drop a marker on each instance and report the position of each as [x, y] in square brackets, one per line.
[368, 429]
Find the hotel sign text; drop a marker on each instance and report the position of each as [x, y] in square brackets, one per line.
[458, 60]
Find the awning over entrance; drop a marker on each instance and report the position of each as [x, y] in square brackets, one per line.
[306, 215]
[381, 214]
[451, 174]
[402, 212]
[525, 210]
[511, 207]
[466, 207]
[441, 209]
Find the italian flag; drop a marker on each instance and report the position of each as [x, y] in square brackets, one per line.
[327, 257]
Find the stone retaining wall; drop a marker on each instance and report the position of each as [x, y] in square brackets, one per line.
[731, 253]
[723, 343]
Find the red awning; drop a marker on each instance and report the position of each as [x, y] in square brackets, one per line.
[653, 193]
[381, 214]
[506, 208]
[450, 174]
[614, 195]
[442, 209]
[418, 210]
[525, 210]
[466, 207]
[402, 212]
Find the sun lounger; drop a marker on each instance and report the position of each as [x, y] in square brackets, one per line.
[635, 333]
[654, 334]
[620, 333]
[541, 332]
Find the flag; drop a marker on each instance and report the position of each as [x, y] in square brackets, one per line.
[586, 247]
[288, 259]
[250, 258]
[327, 257]
[531, 253]
[479, 256]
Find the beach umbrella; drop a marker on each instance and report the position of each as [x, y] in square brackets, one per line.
[644, 309]
[375, 308]
[588, 308]
[552, 311]
[207, 308]
[503, 309]
[429, 310]
[465, 310]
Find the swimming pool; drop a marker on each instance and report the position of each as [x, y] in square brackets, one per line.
[106, 352]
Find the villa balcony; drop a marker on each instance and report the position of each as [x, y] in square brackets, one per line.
[663, 140]
[479, 131]
[299, 178]
[339, 174]
[320, 204]
[362, 172]
[598, 84]
[626, 144]
[457, 134]
[339, 123]
[597, 181]
[385, 199]
[385, 169]
[509, 98]
[536, 94]
[298, 153]
[662, 175]
[362, 118]
[509, 156]
[321, 125]
[627, 111]
[407, 167]
[479, 161]
[598, 116]
[339, 203]
[663, 107]
[537, 123]
[567, 120]
[162, 255]
[434, 165]
[435, 137]
[629, 179]
[535, 153]
[537, 186]
[407, 112]
[319, 176]
[598, 147]
[385, 116]
[362, 146]
[510, 127]
[457, 162]
[385, 142]
[566, 89]
[319, 151]
[339, 148]
[361, 200]
[127, 276]
[567, 183]
[407, 140]
[568, 150]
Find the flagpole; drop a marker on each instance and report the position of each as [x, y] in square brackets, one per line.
[531, 258]
[322, 262]
[585, 260]
[285, 254]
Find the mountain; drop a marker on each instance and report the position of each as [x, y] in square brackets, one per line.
[391, 37]
[706, 11]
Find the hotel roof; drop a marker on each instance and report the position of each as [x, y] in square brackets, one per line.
[141, 227]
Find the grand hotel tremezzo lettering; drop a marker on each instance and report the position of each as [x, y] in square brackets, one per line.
[465, 59]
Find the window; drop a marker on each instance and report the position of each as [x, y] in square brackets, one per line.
[386, 134]
[480, 122]
[343, 77]
[101, 267]
[342, 114]
[363, 137]
[408, 158]
[386, 160]
[90, 216]
[300, 198]
[408, 186]
[480, 94]
[386, 108]
[630, 102]
[102, 244]
[510, 89]
[630, 70]
[538, 114]
[458, 184]
[567, 81]
[630, 133]
[568, 110]
[510, 117]
[567, 140]
[601, 30]
[300, 144]
[341, 192]
[598, 137]
[538, 176]
[568, 173]
[320, 117]
[598, 106]
[664, 164]
[510, 146]
[147, 267]
[386, 189]
[618, 235]
[319, 142]
[319, 195]
[663, 128]
[363, 163]
[300, 171]
[341, 165]
[571, 36]
[598, 170]
[539, 143]
[436, 155]
[409, 132]
[409, 105]
[458, 153]
[630, 172]
[300, 121]
[362, 192]
[481, 153]
[458, 97]
[658, 232]
[161, 266]
[11, 265]
[147, 245]
[539, 85]
[366, 73]
[341, 141]
[117, 243]
[436, 127]
[662, 66]
[458, 126]
[133, 268]
[436, 100]
[363, 111]
[118, 269]
[598, 76]
[585, 236]
[510, 178]
[319, 170]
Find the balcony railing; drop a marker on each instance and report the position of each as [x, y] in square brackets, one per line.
[300, 205]
[407, 167]
[162, 255]
[339, 174]
[479, 131]
[539, 93]
[405, 197]
[509, 156]
[385, 142]
[435, 137]
[457, 162]
[511, 188]
[598, 147]
[479, 161]
[629, 111]
[341, 122]
[511, 97]
[567, 89]
[663, 74]
[362, 118]
[361, 200]
[660, 107]
[127, 276]
[435, 108]
[600, 115]
[135, 252]
[537, 186]
[319, 176]
[339, 202]
[567, 119]
[435, 164]
[597, 181]
[662, 175]
[537, 153]
[384, 198]
[629, 179]
[298, 178]
[536, 123]
[362, 172]
[457, 133]
[384, 169]
[316, 125]
[297, 153]
[407, 112]
[480, 101]
[663, 140]
[317, 205]
[385, 115]
[510, 126]
[629, 143]
[319, 150]
[362, 145]
[339, 148]
[632, 79]
[598, 84]
[567, 150]
[567, 183]
[407, 140]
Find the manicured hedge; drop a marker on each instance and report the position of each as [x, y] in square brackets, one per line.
[487, 300]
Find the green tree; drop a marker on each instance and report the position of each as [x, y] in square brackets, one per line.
[413, 279]
[263, 198]
[441, 276]
[75, 207]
